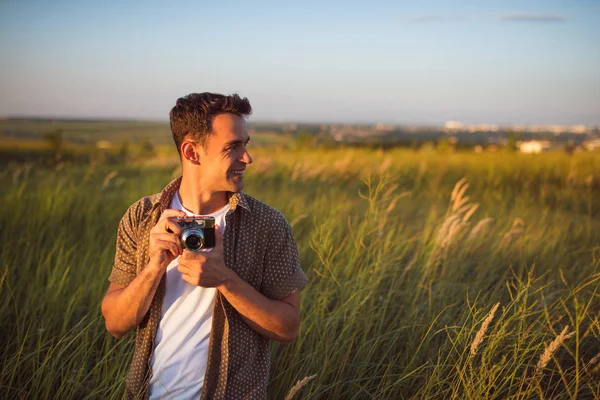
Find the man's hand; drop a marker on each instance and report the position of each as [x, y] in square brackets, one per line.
[206, 269]
[164, 244]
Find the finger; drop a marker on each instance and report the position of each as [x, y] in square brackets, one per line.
[189, 279]
[169, 246]
[183, 268]
[171, 225]
[190, 269]
[192, 256]
[168, 237]
[170, 213]
[185, 277]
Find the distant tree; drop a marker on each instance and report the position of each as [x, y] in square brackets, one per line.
[444, 145]
[570, 146]
[511, 142]
[415, 145]
[55, 142]
[148, 148]
[304, 139]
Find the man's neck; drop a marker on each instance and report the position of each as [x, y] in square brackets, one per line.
[198, 200]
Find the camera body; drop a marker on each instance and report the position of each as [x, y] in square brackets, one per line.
[197, 233]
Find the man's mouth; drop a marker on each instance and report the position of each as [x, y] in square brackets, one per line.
[238, 172]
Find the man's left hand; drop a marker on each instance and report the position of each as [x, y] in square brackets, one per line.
[206, 269]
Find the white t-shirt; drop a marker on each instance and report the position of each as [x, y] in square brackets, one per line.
[181, 344]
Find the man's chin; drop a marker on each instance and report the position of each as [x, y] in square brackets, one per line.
[237, 186]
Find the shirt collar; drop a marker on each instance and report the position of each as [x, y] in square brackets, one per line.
[164, 198]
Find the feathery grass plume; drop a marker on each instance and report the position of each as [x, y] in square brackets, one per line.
[481, 225]
[484, 326]
[472, 209]
[594, 360]
[456, 197]
[589, 180]
[298, 386]
[263, 165]
[385, 165]
[108, 178]
[296, 172]
[457, 187]
[298, 219]
[445, 228]
[453, 233]
[551, 349]
[515, 231]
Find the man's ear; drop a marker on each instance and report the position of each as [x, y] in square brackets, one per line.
[188, 152]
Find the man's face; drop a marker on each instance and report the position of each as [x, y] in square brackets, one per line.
[224, 157]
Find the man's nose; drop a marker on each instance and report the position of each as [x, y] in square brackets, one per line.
[247, 158]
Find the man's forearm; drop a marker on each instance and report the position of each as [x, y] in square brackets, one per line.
[275, 319]
[125, 308]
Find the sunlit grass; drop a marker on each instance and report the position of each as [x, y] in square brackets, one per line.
[407, 255]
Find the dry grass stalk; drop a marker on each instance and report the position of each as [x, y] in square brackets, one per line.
[108, 178]
[457, 187]
[518, 222]
[484, 326]
[471, 211]
[589, 180]
[458, 200]
[385, 165]
[594, 360]
[516, 230]
[551, 349]
[298, 386]
[298, 219]
[390, 190]
[481, 225]
[444, 229]
[452, 233]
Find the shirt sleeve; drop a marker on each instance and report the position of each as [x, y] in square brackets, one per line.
[124, 268]
[282, 274]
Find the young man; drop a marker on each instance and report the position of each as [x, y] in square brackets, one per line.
[204, 320]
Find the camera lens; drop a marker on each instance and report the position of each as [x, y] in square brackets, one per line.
[192, 239]
[193, 242]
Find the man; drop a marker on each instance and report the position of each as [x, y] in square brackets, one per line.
[204, 320]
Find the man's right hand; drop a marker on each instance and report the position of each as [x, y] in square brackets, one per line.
[164, 244]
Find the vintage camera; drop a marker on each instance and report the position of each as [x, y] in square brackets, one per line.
[197, 232]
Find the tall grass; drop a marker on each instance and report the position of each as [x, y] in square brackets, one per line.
[431, 276]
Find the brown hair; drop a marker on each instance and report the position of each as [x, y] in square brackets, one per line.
[192, 115]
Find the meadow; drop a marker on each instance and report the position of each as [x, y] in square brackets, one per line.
[432, 274]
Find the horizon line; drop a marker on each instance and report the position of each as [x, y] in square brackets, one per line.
[59, 118]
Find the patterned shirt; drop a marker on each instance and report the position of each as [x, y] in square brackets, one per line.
[259, 247]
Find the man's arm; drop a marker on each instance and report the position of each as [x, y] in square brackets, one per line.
[276, 319]
[124, 307]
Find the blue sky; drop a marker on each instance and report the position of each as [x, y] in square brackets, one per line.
[340, 61]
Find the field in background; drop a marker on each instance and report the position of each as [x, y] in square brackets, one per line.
[432, 275]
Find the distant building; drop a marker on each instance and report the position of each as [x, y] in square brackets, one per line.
[534, 146]
[453, 126]
[592, 145]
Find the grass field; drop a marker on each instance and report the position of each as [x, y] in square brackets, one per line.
[432, 275]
